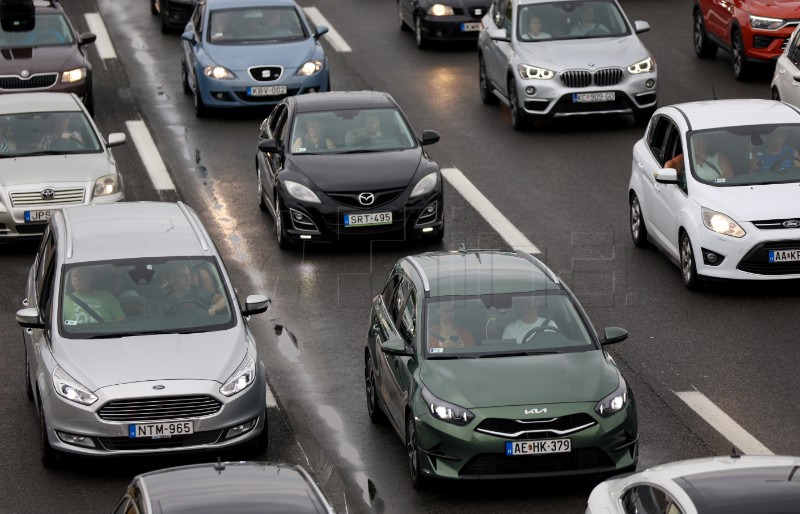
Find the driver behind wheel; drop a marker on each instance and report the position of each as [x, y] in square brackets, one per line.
[528, 307]
[181, 297]
[59, 131]
[775, 154]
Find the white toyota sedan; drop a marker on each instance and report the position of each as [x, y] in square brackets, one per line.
[716, 186]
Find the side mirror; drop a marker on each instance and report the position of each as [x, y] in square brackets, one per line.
[429, 137]
[499, 35]
[640, 26]
[396, 347]
[29, 318]
[188, 36]
[613, 335]
[666, 176]
[268, 145]
[116, 139]
[255, 304]
[321, 31]
[87, 38]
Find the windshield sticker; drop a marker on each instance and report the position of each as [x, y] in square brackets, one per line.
[70, 322]
[719, 180]
[437, 350]
[301, 149]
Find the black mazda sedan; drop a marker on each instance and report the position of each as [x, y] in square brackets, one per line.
[342, 165]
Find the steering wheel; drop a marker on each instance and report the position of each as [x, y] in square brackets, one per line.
[530, 334]
[71, 143]
[777, 166]
[184, 303]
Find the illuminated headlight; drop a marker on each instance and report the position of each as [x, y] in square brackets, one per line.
[301, 192]
[241, 378]
[446, 411]
[73, 75]
[646, 66]
[106, 185]
[425, 185]
[759, 22]
[310, 68]
[614, 402]
[441, 10]
[532, 72]
[69, 388]
[721, 224]
[218, 72]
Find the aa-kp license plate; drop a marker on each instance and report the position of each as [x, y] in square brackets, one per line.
[471, 27]
[266, 90]
[784, 255]
[37, 216]
[160, 430]
[538, 447]
[588, 98]
[364, 220]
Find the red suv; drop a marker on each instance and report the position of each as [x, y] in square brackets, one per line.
[752, 30]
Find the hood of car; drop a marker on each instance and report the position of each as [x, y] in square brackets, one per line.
[751, 203]
[584, 54]
[528, 380]
[44, 59]
[53, 170]
[238, 58]
[773, 8]
[105, 362]
[360, 172]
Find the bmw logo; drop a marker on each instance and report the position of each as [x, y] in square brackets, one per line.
[791, 223]
[48, 194]
[366, 198]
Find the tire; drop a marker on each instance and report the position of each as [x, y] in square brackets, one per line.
[775, 94]
[165, 29]
[412, 454]
[153, 7]
[422, 43]
[376, 415]
[519, 119]
[642, 116]
[741, 68]
[703, 47]
[284, 243]
[28, 388]
[688, 266]
[200, 109]
[47, 454]
[187, 89]
[486, 89]
[401, 23]
[262, 203]
[638, 227]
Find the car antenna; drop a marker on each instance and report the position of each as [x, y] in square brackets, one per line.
[734, 454]
[219, 467]
[713, 92]
[462, 248]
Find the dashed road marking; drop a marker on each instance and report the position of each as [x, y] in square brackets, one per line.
[149, 154]
[272, 403]
[333, 37]
[103, 43]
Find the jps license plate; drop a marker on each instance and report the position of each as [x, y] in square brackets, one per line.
[588, 98]
[538, 447]
[37, 216]
[471, 27]
[159, 430]
[364, 220]
[266, 90]
[784, 255]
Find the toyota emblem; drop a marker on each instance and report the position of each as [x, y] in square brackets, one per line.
[791, 223]
[366, 198]
[48, 194]
[158, 387]
[25, 73]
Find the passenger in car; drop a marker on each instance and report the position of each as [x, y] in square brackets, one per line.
[312, 139]
[85, 304]
[446, 333]
[535, 29]
[707, 164]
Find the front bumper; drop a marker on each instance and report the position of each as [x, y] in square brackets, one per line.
[765, 46]
[233, 93]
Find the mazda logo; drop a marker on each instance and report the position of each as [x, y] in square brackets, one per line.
[791, 223]
[25, 73]
[366, 198]
[158, 387]
[48, 194]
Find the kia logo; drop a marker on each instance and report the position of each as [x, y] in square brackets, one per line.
[536, 411]
[366, 198]
[48, 194]
[791, 223]
[25, 73]
[158, 387]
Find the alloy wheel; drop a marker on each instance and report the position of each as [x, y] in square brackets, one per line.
[261, 203]
[422, 43]
[374, 411]
[638, 230]
[486, 91]
[688, 267]
[739, 64]
[411, 449]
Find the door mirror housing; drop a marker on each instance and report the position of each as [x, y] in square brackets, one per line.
[666, 176]
[640, 26]
[29, 318]
[321, 31]
[396, 347]
[87, 38]
[116, 139]
[499, 35]
[255, 304]
[188, 36]
[613, 335]
[429, 137]
[268, 145]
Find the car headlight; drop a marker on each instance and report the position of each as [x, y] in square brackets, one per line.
[301, 192]
[721, 224]
[69, 388]
[760, 22]
[310, 68]
[614, 402]
[218, 72]
[446, 411]
[532, 72]
[441, 10]
[106, 185]
[646, 66]
[73, 75]
[241, 378]
[425, 185]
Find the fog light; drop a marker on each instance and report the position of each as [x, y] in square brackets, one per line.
[77, 440]
[711, 258]
[241, 429]
[430, 209]
[427, 229]
[305, 236]
[530, 90]
[650, 83]
[219, 96]
[298, 216]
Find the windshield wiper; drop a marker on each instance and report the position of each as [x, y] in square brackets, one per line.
[444, 357]
[362, 151]
[48, 152]
[515, 354]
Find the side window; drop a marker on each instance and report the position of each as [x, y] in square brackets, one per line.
[507, 14]
[197, 18]
[274, 118]
[498, 9]
[45, 257]
[408, 319]
[388, 292]
[673, 147]
[643, 499]
[657, 137]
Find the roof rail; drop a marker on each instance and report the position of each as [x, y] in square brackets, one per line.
[67, 231]
[539, 264]
[425, 284]
[198, 231]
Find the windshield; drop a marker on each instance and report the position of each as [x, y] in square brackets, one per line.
[570, 20]
[48, 30]
[42, 133]
[351, 131]
[504, 325]
[263, 24]
[143, 296]
[749, 155]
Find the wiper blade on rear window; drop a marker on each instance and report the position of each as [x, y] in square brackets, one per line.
[515, 354]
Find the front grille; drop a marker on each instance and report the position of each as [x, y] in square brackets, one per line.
[583, 459]
[60, 196]
[608, 76]
[535, 428]
[146, 443]
[265, 73]
[776, 224]
[583, 78]
[161, 408]
[381, 198]
[30, 229]
[16, 83]
[757, 260]
[242, 95]
[576, 78]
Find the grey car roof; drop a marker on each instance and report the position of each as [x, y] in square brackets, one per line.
[235, 4]
[132, 229]
[342, 100]
[38, 102]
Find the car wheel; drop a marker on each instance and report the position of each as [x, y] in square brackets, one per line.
[154, 6]
[775, 94]
[262, 203]
[703, 47]
[741, 69]
[185, 79]
[688, 267]
[638, 228]
[401, 23]
[284, 243]
[487, 94]
[376, 415]
[200, 109]
[28, 388]
[47, 454]
[519, 119]
[417, 480]
[422, 43]
[642, 116]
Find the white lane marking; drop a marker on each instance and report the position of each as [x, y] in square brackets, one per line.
[149, 154]
[333, 37]
[494, 217]
[103, 42]
[272, 403]
[723, 423]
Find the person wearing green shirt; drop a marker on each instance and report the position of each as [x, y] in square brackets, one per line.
[85, 304]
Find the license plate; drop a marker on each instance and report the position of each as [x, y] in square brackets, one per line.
[37, 216]
[588, 98]
[364, 220]
[266, 90]
[784, 255]
[538, 447]
[160, 430]
[471, 27]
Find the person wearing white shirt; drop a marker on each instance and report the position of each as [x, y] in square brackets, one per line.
[586, 25]
[529, 320]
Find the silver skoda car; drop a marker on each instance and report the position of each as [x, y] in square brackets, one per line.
[548, 58]
[135, 341]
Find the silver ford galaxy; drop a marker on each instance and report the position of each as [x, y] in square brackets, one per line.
[135, 341]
